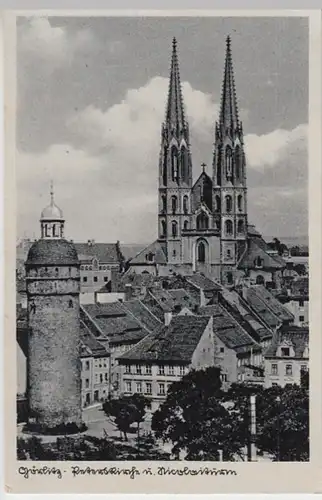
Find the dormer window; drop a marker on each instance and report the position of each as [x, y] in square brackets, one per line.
[285, 351]
[259, 262]
[150, 257]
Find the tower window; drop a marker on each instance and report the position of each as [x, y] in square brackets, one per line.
[218, 203]
[229, 254]
[202, 221]
[183, 161]
[185, 204]
[229, 277]
[201, 252]
[46, 231]
[174, 229]
[228, 159]
[240, 226]
[239, 202]
[164, 203]
[174, 253]
[174, 204]
[70, 304]
[163, 228]
[54, 231]
[238, 162]
[185, 225]
[56, 271]
[229, 203]
[174, 163]
[229, 227]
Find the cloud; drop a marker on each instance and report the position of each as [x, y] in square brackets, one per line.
[52, 45]
[107, 182]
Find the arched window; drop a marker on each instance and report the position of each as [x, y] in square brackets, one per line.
[185, 204]
[228, 254]
[174, 204]
[185, 225]
[201, 252]
[174, 229]
[202, 221]
[70, 304]
[240, 226]
[229, 203]
[229, 277]
[55, 234]
[229, 162]
[260, 280]
[238, 162]
[163, 228]
[164, 203]
[174, 253]
[218, 203]
[217, 224]
[164, 167]
[229, 227]
[174, 163]
[183, 161]
[56, 271]
[240, 202]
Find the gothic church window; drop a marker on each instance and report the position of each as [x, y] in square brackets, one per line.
[164, 203]
[239, 202]
[163, 228]
[240, 226]
[174, 163]
[229, 227]
[201, 252]
[174, 204]
[185, 225]
[183, 161]
[174, 229]
[185, 204]
[202, 221]
[238, 162]
[217, 203]
[229, 203]
[229, 162]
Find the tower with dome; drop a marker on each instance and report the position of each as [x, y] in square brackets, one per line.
[53, 287]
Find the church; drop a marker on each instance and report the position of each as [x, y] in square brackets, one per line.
[203, 225]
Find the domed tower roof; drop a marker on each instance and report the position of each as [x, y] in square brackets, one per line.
[52, 253]
[52, 212]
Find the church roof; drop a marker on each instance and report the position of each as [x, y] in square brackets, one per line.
[52, 252]
[157, 250]
[173, 343]
[258, 249]
[106, 253]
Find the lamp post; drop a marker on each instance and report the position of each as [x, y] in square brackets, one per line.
[278, 401]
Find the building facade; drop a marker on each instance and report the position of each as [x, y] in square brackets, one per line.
[53, 288]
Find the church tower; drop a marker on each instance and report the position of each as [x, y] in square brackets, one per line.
[53, 287]
[229, 178]
[175, 170]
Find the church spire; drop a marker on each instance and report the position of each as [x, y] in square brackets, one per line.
[229, 108]
[175, 110]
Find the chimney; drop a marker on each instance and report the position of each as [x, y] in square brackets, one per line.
[167, 318]
[128, 291]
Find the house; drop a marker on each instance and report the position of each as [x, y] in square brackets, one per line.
[166, 355]
[166, 303]
[287, 356]
[234, 347]
[297, 300]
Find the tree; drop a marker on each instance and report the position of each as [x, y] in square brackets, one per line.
[300, 269]
[276, 245]
[305, 379]
[194, 419]
[127, 411]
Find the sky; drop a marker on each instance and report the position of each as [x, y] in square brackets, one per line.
[91, 95]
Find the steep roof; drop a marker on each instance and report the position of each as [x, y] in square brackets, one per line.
[258, 249]
[90, 345]
[268, 308]
[202, 282]
[174, 343]
[131, 250]
[158, 251]
[142, 314]
[228, 108]
[296, 335]
[105, 253]
[228, 330]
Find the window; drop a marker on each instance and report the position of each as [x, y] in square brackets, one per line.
[182, 371]
[185, 204]
[229, 227]
[174, 163]
[274, 369]
[217, 203]
[185, 225]
[139, 387]
[161, 370]
[163, 228]
[301, 303]
[229, 203]
[240, 226]
[229, 166]
[202, 221]
[101, 378]
[288, 370]
[228, 254]
[106, 377]
[259, 262]
[238, 162]
[148, 370]
[148, 388]
[86, 365]
[229, 277]
[95, 279]
[164, 203]
[128, 387]
[174, 204]
[85, 279]
[240, 202]
[70, 304]
[87, 383]
[127, 368]
[285, 351]
[174, 229]
[223, 377]
[303, 368]
[138, 369]
[222, 349]
[301, 319]
[161, 389]
[105, 279]
[183, 162]
[171, 370]
[260, 280]
[174, 253]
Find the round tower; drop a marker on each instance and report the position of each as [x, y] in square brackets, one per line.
[53, 287]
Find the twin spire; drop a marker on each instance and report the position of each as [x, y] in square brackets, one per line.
[175, 116]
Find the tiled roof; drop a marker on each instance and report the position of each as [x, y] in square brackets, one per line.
[106, 253]
[176, 342]
[257, 248]
[142, 314]
[157, 249]
[252, 231]
[260, 307]
[227, 329]
[296, 335]
[129, 251]
[90, 344]
[163, 299]
[183, 298]
[202, 282]
[281, 312]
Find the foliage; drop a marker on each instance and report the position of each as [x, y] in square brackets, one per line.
[126, 411]
[195, 421]
[300, 269]
[57, 430]
[305, 380]
[278, 246]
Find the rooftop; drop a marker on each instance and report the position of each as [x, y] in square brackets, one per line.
[151, 255]
[91, 346]
[297, 336]
[105, 253]
[259, 250]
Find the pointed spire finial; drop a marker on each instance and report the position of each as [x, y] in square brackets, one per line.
[229, 109]
[52, 192]
[175, 111]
